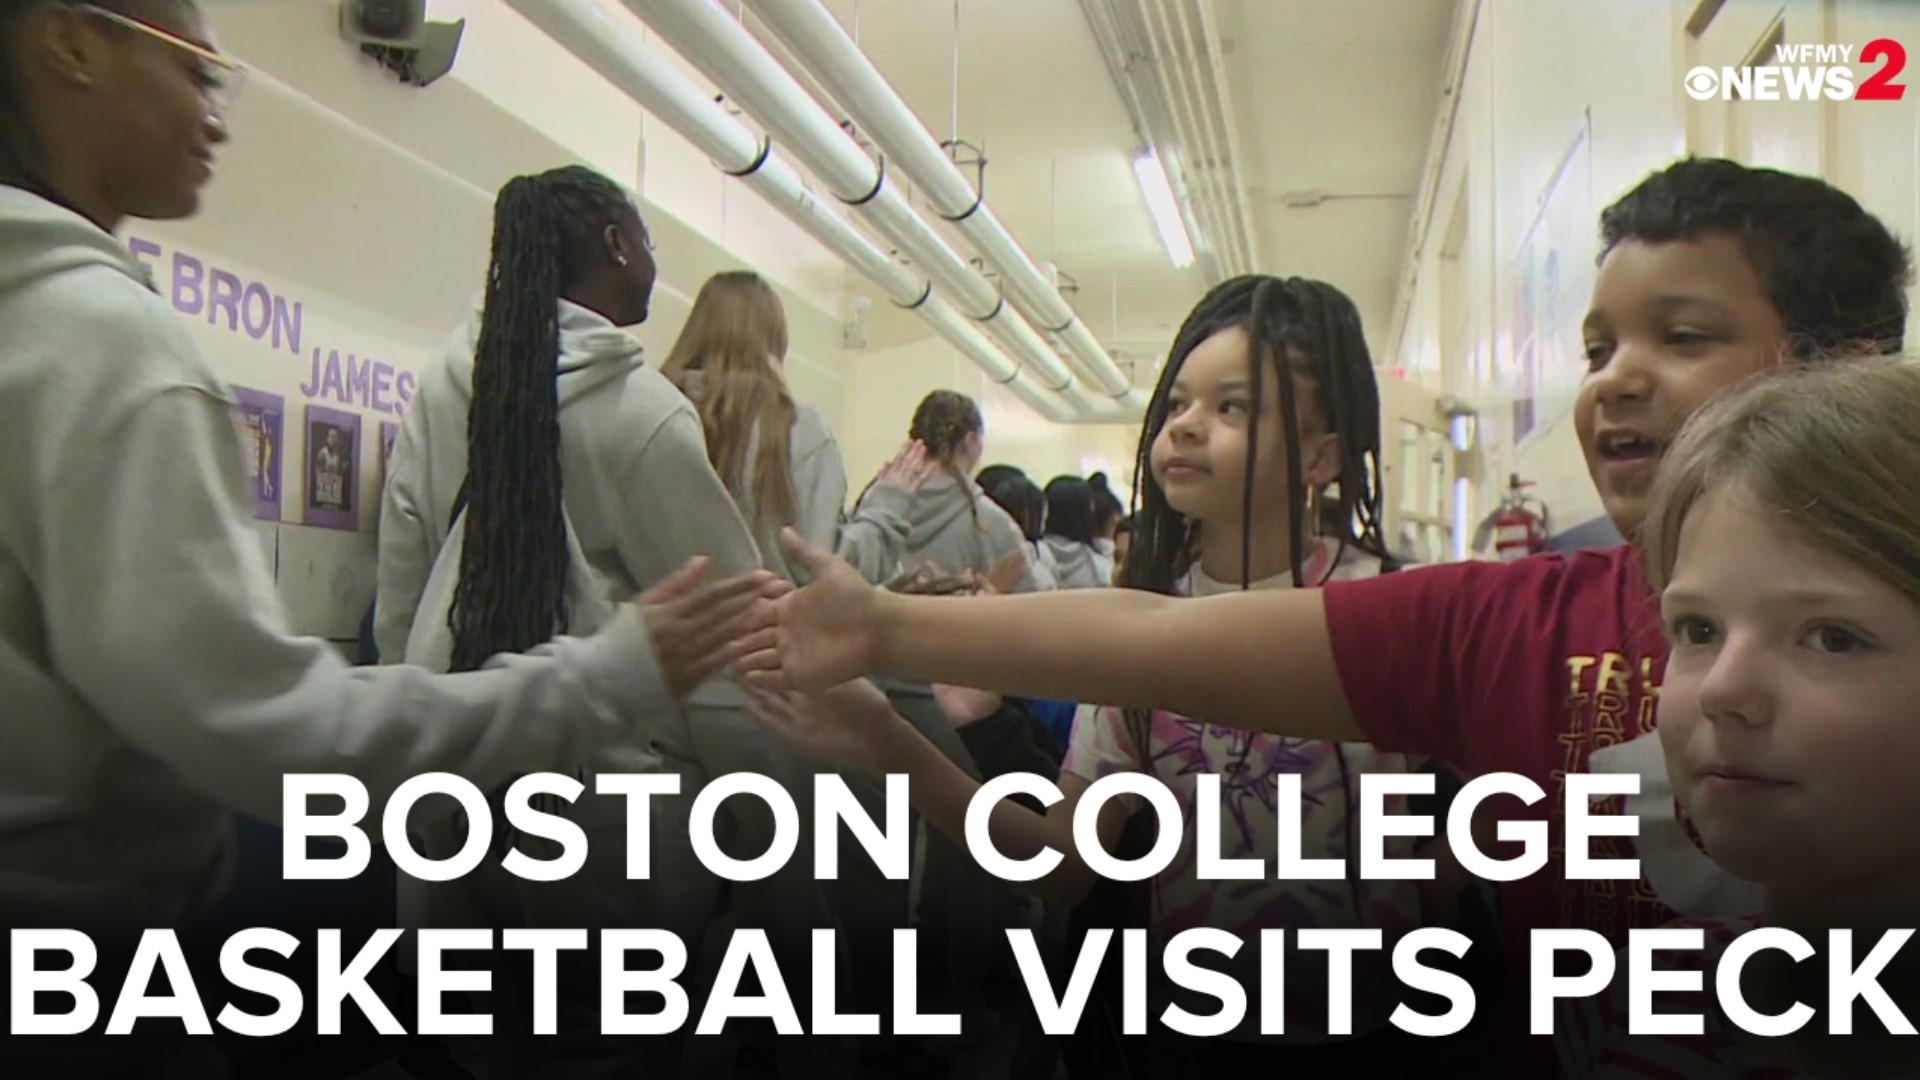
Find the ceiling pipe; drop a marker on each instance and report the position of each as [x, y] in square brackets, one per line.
[1186, 117]
[619, 55]
[1124, 48]
[812, 34]
[743, 70]
[1223, 90]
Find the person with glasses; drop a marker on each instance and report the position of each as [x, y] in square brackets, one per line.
[149, 684]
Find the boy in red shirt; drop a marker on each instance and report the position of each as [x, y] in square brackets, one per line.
[1712, 272]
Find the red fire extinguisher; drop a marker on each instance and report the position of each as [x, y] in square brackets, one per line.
[1519, 527]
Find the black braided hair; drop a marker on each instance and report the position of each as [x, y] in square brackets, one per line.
[512, 591]
[1299, 327]
[20, 145]
[1296, 327]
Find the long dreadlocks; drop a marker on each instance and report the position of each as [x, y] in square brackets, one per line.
[512, 591]
[1299, 328]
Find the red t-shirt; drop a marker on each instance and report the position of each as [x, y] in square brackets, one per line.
[1527, 668]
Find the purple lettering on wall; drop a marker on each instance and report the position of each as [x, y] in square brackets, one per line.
[359, 376]
[257, 328]
[382, 386]
[188, 297]
[287, 327]
[311, 387]
[331, 385]
[224, 295]
[142, 251]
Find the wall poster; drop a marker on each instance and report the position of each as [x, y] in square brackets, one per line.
[333, 457]
[1553, 281]
[262, 421]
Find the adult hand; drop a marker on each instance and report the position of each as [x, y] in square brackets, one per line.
[818, 636]
[698, 629]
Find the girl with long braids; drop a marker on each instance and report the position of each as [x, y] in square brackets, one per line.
[1267, 399]
[542, 432]
[152, 685]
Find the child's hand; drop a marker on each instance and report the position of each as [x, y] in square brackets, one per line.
[852, 725]
[815, 637]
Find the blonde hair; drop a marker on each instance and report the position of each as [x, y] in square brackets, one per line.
[1830, 449]
[736, 336]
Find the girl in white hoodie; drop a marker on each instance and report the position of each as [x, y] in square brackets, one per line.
[729, 361]
[544, 423]
[149, 681]
[1073, 538]
[781, 464]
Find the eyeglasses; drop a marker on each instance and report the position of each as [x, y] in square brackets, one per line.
[220, 77]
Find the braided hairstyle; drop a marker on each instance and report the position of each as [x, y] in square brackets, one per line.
[1297, 328]
[942, 423]
[511, 595]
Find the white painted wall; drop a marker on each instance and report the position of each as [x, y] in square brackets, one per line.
[1537, 68]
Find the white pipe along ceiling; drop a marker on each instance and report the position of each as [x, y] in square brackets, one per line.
[618, 54]
[745, 72]
[817, 40]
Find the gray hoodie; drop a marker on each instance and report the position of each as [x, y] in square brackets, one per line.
[1076, 565]
[148, 682]
[872, 539]
[959, 528]
[638, 487]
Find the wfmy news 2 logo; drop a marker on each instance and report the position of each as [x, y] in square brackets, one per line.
[1807, 73]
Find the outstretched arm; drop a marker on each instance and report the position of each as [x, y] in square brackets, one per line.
[1256, 660]
[854, 725]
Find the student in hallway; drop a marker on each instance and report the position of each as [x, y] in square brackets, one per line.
[956, 528]
[544, 426]
[776, 455]
[1783, 540]
[1267, 399]
[150, 682]
[1012, 491]
[1072, 539]
[782, 466]
[1713, 272]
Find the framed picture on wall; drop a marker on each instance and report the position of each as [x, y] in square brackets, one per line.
[333, 474]
[261, 418]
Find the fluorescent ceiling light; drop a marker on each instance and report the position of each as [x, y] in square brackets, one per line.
[1166, 212]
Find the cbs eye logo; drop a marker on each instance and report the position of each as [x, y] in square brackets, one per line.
[1702, 83]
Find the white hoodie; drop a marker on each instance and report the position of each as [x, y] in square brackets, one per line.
[148, 682]
[871, 539]
[639, 489]
[957, 528]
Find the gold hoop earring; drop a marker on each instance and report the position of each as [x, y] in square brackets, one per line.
[1313, 512]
